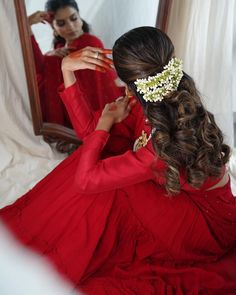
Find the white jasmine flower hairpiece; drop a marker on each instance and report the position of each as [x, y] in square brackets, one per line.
[154, 88]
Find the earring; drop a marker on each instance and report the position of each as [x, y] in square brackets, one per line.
[55, 34]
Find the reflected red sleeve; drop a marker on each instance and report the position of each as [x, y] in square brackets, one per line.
[83, 119]
[98, 175]
[38, 56]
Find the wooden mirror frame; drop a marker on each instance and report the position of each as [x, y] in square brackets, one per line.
[163, 14]
[48, 130]
[51, 131]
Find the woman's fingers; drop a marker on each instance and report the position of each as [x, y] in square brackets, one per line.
[112, 107]
[106, 59]
[96, 65]
[102, 56]
[49, 17]
[93, 52]
[126, 102]
[96, 49]
[107, 51]
[71, 49]
[36, 17]
[100, 69]
[122, 99]
[61, 53]
[93, 61]
[132, 103]
[118, 109]
[75, 54]
[93, 58]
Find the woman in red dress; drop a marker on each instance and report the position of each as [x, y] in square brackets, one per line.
[144, 206]
[70, 33]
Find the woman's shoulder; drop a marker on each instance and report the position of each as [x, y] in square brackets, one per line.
[89, 40]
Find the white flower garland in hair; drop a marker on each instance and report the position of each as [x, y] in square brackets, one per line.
[154, 88]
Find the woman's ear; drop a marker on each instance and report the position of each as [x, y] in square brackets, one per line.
[55, 34]
[119, 82]
[81, 23]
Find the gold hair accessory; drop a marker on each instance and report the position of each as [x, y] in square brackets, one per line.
[128, 93]
[142, 140]
[154, 88]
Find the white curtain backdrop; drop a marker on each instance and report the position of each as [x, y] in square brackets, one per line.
[234, 65]
[112, 18]
[24, 158]
[202, 32]
[108, 19]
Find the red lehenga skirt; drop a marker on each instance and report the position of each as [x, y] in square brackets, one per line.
[129, 241]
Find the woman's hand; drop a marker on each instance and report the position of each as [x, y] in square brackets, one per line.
[92, 58]
[118, 109]
[39, 17]
[115, 112]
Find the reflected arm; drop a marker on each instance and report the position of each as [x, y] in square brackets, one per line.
[38, 56]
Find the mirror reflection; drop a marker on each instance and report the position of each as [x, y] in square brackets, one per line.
[70, 33]
[59, 28]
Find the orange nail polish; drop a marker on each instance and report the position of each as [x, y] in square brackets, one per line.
[113, 107]
[107, 51]
[100, 69]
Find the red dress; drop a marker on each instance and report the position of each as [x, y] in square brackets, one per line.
[107, 224]
[100, 88]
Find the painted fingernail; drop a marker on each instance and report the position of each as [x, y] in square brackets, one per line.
[113, 107]
[109, 61]
[100, 69]
[107, 51]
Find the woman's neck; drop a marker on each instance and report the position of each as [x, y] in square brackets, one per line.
[70, 42]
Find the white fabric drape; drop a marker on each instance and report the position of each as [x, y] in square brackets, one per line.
[24, 157]
[202, 32]
[23, 272]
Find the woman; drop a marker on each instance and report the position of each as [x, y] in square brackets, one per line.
[158, 217]
[70, 33]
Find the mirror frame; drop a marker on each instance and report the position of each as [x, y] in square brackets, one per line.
[163, 14]
[51, 131]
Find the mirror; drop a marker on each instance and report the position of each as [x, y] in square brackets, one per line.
[65, 138]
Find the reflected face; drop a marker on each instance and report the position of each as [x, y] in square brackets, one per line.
[67, 23]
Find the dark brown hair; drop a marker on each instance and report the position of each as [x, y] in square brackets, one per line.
[52, 6]
[186, 135]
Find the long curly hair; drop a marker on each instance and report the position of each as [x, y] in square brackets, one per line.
[187, 137]
[53, 6]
